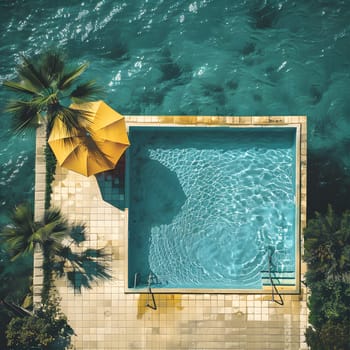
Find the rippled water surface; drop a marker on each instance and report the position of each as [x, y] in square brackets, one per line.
[196, 58]
[207, 207]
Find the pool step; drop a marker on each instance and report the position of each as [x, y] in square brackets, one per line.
[286, 278]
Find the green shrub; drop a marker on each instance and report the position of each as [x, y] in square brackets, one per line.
[50, 174]
[330, 336]
[46, 329]
[329, 302]
[327, 253]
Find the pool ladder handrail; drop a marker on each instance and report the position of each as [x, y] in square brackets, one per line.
[274, 287]
[136, 278]
[150, 293]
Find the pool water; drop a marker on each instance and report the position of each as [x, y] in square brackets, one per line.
[208, 205]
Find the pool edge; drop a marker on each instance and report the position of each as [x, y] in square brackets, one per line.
[300, 123]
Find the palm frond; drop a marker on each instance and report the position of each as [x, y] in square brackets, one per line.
[21, 87]
[54, 247]
[53, 215]
[86, 92]
[25, 115]
[94, 149]
[77, 233]
[58, 267]
[72, 119]
[29, 72]
[41, 80]
[22, 215]
[65, 254]
[47, 98]
[55, 226]
[86, 271]
[27, 248]
[78, 280]
[95, 269]
[52, 65]
[12, 240]
[345, 224]
[332, 221]
[68, 78]
[17, 235]
[93, 254]
[53, 232]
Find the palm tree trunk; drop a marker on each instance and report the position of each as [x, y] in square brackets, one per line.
[39, 211]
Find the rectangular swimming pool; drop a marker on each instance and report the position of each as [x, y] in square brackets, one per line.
[212, 209]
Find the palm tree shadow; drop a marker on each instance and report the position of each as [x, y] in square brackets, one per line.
[91, 270]
[82, 267]
[112, 185]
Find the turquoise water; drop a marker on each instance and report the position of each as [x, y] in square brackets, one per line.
[195, 57]
[207, 207]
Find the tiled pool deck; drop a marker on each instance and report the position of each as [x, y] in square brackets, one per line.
[104, 317]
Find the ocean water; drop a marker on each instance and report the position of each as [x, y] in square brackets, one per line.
[205, 57]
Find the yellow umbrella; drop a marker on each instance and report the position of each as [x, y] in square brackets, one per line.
[95, 148]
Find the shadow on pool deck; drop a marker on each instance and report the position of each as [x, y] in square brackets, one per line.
[112, 185]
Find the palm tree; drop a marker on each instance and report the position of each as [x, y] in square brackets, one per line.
[57, 238]
[43, 84]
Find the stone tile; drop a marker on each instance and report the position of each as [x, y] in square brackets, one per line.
[104, 317]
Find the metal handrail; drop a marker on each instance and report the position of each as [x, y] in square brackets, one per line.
[154, 306]
[274, 287]
[136, 276]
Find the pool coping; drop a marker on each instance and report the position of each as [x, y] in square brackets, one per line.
[298, 122]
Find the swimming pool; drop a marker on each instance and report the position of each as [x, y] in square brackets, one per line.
[212, 208]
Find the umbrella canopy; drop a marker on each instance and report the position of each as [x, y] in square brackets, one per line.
[95, 148]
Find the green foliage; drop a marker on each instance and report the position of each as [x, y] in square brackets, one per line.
[58, 240]
[330, 336]
[46, 329]
[43, 83]
[50, 174]
[16, 280]
[327, 245]
[17, 236]
[22, 233]
[327, 253]
[5, 318]
[15, 277]
[329, 301]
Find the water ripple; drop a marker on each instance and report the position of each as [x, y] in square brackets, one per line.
[239, 201]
